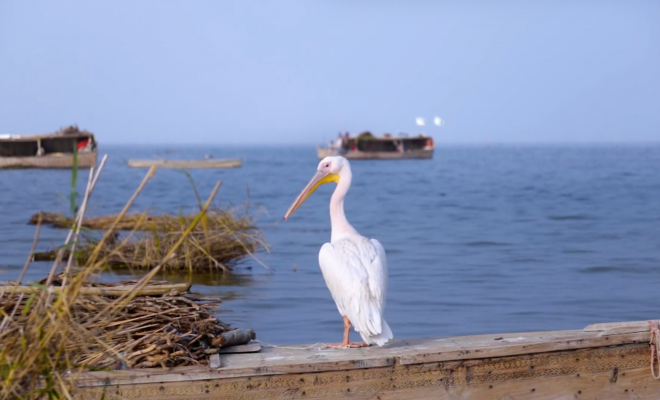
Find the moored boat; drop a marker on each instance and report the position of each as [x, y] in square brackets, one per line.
[604, 361]
[54, 150]
[387, 147]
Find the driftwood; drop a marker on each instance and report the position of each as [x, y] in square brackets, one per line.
[229, 163]
[216, 219]
[234, 338]
[149, 290]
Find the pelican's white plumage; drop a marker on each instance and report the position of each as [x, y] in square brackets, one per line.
[355, 271]
[354, 268]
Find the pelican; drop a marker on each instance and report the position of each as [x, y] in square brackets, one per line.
[354, 268]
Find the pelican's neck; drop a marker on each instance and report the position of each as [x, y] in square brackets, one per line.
[338, 221]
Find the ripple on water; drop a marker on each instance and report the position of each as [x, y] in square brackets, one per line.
[486, 243]
[605, 269]
[577, 251]
[574, 217]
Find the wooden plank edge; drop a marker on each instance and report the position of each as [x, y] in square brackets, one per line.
[521, 348]
[619, 327]
[245, 348]
[94, 379]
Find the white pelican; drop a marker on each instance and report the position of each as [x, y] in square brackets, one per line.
[354, 267]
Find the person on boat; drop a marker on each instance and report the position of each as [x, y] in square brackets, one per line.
[345, 141]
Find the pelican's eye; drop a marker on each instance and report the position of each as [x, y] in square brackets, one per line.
[327, 165]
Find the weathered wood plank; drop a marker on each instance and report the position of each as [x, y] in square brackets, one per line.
[211, 163]
[291, 360]
[149, 290]
[603, 373]
[482, 346]
[246, 348]
[214, 361]
[619, 327]
[636, 384]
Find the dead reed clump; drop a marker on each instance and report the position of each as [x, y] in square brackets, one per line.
[219, 242]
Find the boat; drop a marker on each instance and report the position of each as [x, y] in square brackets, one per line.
[366, 146]
[54, 150]
[603, 361]
[206, 163]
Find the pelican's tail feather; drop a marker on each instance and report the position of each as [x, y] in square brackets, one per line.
[381, 338]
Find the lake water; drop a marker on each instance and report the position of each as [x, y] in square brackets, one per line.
[479, 239]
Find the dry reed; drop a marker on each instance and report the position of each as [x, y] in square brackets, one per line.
[51, 334]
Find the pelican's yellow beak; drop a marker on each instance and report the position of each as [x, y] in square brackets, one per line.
[318, 179]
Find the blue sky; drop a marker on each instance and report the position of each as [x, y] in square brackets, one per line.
[249, 72]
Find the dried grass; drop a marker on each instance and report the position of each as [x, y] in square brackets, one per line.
[49, 337]
[222, 239]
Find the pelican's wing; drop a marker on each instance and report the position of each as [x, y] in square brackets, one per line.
[357, 279]
[378, 273]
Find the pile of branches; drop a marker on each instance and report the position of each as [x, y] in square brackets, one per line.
[169, 329]
[50, 336]
[221, 239]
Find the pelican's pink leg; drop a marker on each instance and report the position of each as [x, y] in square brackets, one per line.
[346, 342]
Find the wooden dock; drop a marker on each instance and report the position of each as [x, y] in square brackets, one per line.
[602, 361]
[209, 163]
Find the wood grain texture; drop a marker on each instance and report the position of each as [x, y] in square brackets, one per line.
[618, 372]
[290, 360]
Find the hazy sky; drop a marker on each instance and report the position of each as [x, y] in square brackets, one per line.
[299, 71]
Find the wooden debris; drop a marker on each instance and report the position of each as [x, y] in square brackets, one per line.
[214, 361]
[245, 348]
[234, 338]
[210, 163]
[162, 329]
[149, 290]
[216, 219]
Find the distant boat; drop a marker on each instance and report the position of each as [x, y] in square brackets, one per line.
[54, 150]
[206, 163]
[387, 147]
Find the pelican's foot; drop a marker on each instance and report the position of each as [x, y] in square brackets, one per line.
[347, 345]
